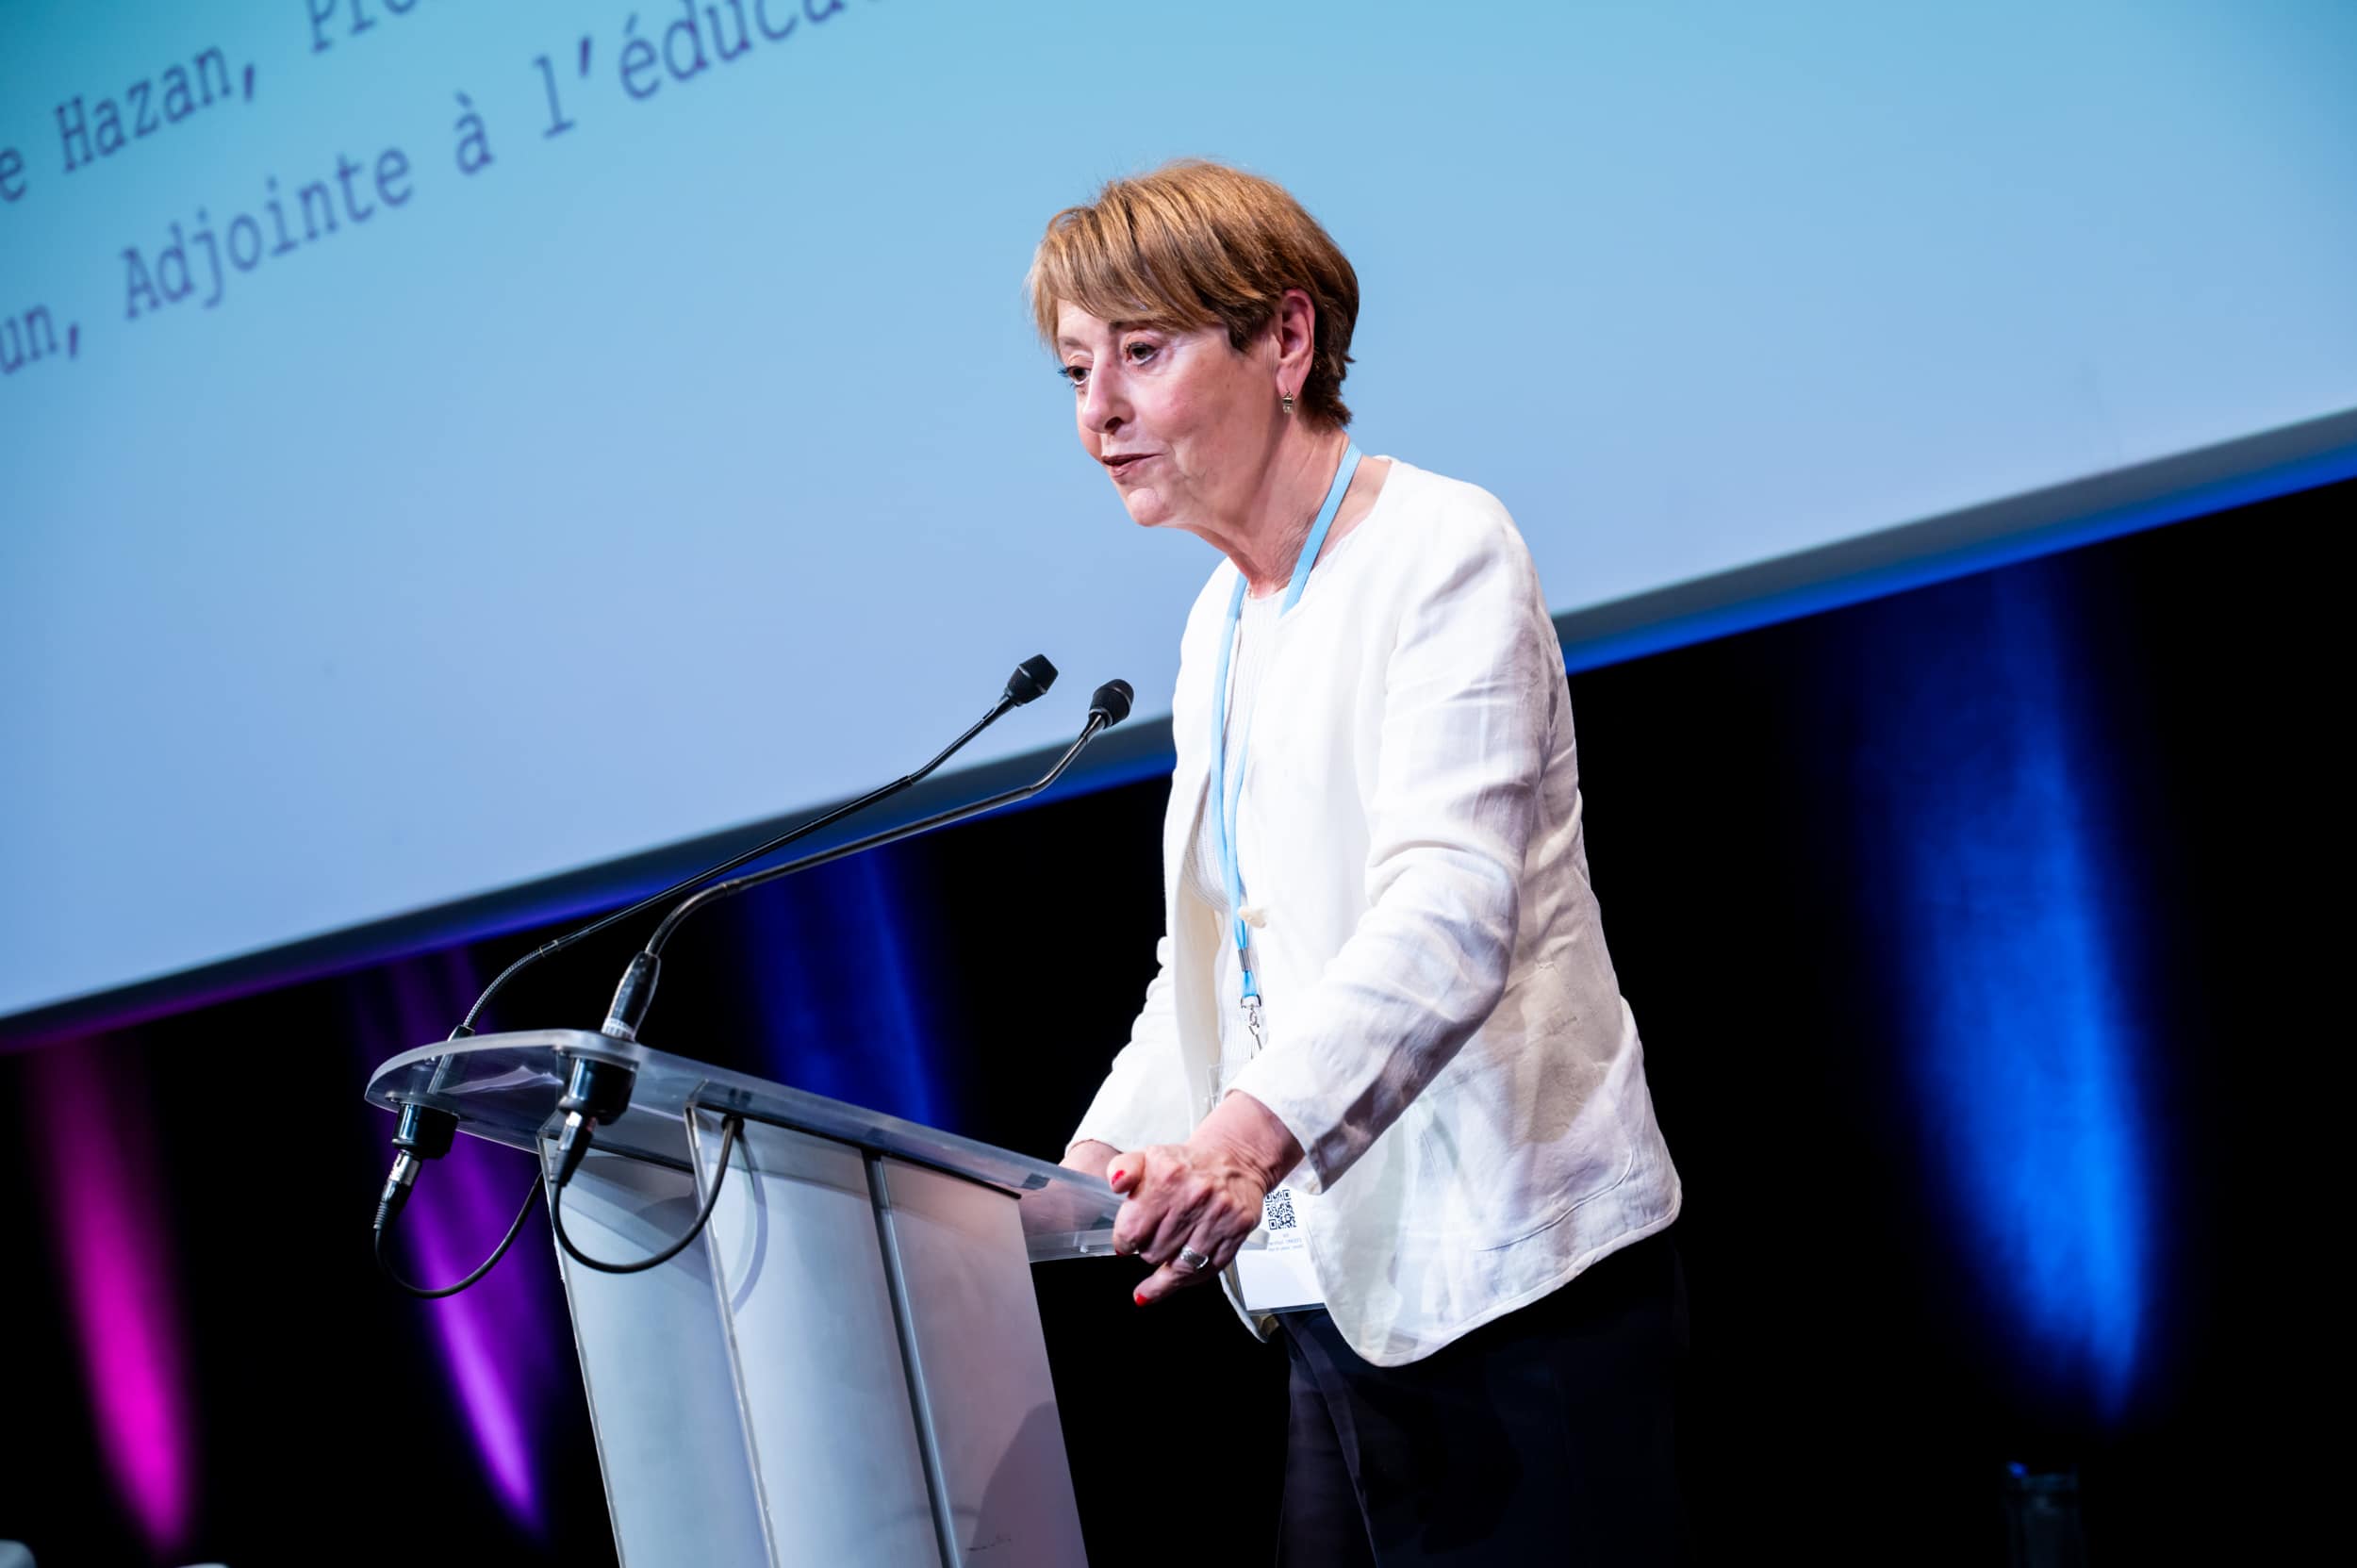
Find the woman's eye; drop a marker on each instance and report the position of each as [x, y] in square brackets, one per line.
[1141, 353]
[1075, 375]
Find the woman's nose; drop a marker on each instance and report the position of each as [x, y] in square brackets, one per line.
[1102, 408]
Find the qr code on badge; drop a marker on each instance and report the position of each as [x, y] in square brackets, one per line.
[1276, 1211]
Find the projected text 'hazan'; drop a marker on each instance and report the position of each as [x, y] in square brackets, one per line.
[206, 250]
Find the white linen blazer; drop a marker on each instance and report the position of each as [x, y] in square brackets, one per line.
[1446, 1037]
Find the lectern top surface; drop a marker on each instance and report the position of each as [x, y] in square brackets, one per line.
[504, 1087]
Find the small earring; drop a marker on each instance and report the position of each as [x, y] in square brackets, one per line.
[1285, 400]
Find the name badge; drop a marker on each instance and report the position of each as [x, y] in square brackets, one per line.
[1273, 1268]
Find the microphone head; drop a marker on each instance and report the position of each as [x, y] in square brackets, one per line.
[1032, 678]
[1112, 700]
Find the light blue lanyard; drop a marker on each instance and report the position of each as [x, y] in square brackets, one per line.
[1225, 792]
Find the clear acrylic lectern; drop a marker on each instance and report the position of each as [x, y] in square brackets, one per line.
[848, 1368]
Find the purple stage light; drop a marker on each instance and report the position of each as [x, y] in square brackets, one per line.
[494, 1337]
[487, 1333]
[112, 1243]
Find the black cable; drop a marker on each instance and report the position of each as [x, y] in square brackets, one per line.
[508, 1241]
[711, 1200]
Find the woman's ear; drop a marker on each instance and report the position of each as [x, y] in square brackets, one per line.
[1296, 332]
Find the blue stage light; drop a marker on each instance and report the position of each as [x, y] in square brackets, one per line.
[2012, 937]
[836, 981]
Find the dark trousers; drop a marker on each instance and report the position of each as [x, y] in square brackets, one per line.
[1547, 1436]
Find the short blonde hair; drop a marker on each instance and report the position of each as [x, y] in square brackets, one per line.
[1196, 244]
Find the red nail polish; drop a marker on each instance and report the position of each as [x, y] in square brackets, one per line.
[1117, 1176]
[1138, 1300]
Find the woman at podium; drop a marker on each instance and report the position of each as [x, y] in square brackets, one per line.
[1383, 1087]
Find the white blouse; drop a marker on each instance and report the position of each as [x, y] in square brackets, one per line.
[1446, 1037]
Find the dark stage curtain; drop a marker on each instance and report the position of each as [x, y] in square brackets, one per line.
[1975, 932]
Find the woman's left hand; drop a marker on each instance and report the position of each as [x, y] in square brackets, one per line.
[1202, 1196]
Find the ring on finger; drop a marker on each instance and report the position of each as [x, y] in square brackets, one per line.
[1192, 1261]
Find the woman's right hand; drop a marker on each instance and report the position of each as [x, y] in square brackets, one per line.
[1089, 1157]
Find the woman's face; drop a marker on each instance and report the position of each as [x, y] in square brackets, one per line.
[1182, 423]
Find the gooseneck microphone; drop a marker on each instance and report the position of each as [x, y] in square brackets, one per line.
[1109, 705]
[1032, 678]
[425, 1133]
